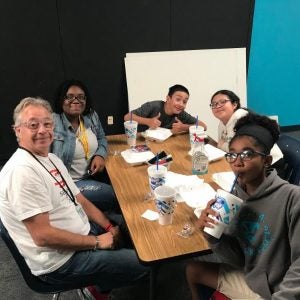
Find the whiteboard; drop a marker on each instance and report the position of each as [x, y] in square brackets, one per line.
[203, 72]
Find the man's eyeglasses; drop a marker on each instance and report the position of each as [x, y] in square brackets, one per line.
[219, 103]
[35, 125]
[71, 98]
[246, 155]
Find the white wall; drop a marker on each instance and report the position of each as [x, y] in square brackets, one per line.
[203, 72]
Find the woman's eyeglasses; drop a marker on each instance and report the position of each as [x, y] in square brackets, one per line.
[219, 103]
[246, 155]
[71, 98]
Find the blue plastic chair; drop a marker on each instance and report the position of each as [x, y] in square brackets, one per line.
[290, 148]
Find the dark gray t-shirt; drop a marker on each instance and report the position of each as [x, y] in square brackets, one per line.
[152, 108]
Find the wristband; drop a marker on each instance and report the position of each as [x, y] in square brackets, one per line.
[108, 227]
[97, 245]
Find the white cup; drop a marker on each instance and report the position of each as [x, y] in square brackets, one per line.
[227, 206]
[195, 133]
[165, 203]
[131, 132]
[157, 176]
[217, 230]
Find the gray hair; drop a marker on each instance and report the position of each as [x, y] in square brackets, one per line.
[30, 101]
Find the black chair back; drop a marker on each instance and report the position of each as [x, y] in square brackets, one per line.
[33, 282]
[290, 148]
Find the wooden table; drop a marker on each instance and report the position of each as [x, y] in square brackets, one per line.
[153, 242]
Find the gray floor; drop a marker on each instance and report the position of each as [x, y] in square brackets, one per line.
[171, 284]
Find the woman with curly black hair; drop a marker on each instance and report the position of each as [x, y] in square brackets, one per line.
[80, 142]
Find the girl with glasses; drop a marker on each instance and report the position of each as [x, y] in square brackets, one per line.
[226, 107]
[261, 245]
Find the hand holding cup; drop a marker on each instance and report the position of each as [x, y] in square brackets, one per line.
[205, 219]
[226, 206]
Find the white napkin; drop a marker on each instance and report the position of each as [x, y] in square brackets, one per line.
[224, 180]
[136, 158]
[159, 134]
[150, 215]
[182, 182]
[197, 196]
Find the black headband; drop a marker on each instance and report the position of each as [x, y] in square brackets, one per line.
[258, 132]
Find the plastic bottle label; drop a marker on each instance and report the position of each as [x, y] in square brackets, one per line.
[199, 163]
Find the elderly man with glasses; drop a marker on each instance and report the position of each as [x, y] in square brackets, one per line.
[61, 234]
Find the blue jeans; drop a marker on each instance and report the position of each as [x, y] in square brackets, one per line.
[100, 194]
[108, 269]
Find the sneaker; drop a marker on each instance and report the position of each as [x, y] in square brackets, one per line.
[218, 296]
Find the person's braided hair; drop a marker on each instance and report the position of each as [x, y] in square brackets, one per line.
[264, 121]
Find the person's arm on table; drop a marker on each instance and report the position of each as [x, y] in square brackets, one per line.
[178, 126]
[150, 122]
[188, 120]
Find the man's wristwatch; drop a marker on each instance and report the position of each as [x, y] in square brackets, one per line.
[97, 245]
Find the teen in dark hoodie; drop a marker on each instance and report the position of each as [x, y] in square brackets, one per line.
[262, 245]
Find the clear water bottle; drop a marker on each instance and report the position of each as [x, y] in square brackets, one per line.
[199, 158]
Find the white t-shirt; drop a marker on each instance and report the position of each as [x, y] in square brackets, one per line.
[226, 132]
[27, 189]
[80, 164]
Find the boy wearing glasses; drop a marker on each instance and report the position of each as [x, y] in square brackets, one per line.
[169, 114]
[261, 247]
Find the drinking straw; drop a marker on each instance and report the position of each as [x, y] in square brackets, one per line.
[197, 121]
[131, 117]
[234, 182]
[156, 161]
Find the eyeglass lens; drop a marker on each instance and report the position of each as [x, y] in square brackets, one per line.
[72, 97]
[35, 125]
[244, 156]
[219, 103]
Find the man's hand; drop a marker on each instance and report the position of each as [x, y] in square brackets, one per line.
[178, 126]
[116, 233]
[106, 241]
[154, 122]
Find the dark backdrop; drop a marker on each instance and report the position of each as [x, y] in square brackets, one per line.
[44, 42]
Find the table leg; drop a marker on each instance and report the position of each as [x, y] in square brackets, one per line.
[153, 287]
